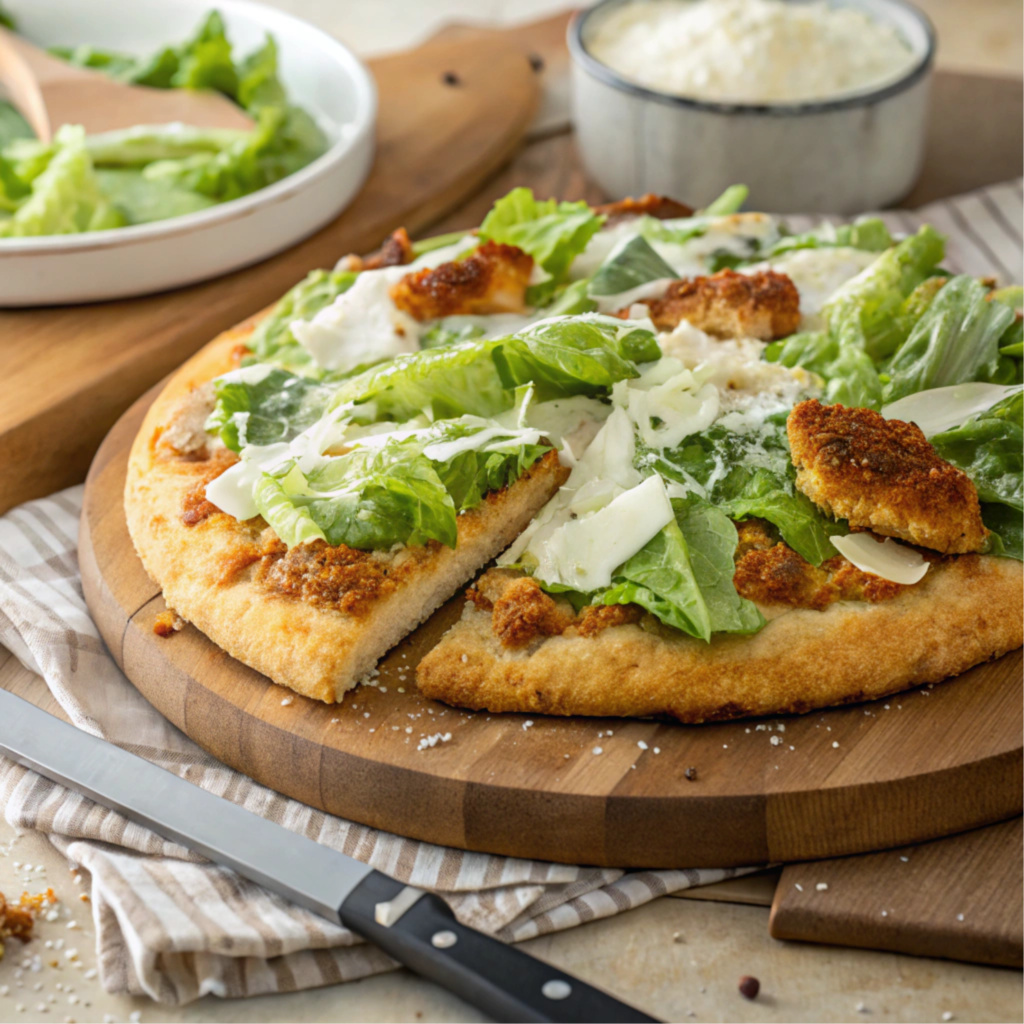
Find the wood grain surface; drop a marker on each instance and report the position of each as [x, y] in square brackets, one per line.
[577, 790]
[69, 372]
[959, 898]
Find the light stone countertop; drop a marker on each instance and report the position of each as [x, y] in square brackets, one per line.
[634, 955]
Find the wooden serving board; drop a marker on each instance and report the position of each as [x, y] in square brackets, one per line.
[919, 765]
[69, 372]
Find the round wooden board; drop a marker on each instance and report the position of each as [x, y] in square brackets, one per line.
[922, 764]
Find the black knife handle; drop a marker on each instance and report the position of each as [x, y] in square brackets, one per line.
[504, 982]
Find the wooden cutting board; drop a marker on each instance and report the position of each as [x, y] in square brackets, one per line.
[959, 898]
[69, 372]
[577, 790]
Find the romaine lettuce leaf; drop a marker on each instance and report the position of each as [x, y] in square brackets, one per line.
[661, 579]
[955, 340]
[12, 125]
[570, 356]
[684, 575]
[711, 538]
[1007, 537]
[746, 475]
[66, 197]
[851, 378]
[12, 188]
[629, 266]
[376, 496]
[260, 405]
[729, 202]
[141, 201]
[373, 498]
[204, 61]
[989, 448]
[553, 233]
[134, 147]
[273, 338]
[867, 306]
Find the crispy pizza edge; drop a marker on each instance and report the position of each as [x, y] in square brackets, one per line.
[316, 651]
[967, 612]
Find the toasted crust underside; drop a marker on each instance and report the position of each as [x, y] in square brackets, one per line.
[206, 570]
[963, 613]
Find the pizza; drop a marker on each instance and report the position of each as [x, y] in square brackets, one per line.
[674, 462]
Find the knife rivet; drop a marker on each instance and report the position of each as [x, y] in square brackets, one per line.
[444, 940]
[556, 989]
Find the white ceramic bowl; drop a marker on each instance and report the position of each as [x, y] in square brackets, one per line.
[846, 155]
[319, 73]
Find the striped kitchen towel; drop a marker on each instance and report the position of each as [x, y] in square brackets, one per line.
[169, 924]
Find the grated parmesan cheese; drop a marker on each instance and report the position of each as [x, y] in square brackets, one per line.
[750, 51]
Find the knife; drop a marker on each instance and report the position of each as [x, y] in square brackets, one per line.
[414, 927]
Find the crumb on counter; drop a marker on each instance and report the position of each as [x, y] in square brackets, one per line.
[17, 919]
[168, 623]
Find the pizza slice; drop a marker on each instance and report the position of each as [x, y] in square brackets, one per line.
[748, 534]
[314, 483]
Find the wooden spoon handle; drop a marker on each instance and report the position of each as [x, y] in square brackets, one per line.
[18, 74]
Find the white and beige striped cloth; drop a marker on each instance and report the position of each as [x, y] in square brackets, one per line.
[174, 927]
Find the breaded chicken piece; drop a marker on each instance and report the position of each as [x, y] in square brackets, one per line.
[395, 252]
[659, 207]
[772, 573]
[883, 475]
[494, 279]
[520, 610]
[765, 305]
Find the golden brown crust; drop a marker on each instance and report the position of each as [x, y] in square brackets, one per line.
[194, 505]
[966, 610]
[492, 280]
[317, 635]
[650, 205]
[765, 305]
[883, 475]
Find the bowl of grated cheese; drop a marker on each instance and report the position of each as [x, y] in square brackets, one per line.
[817, 105]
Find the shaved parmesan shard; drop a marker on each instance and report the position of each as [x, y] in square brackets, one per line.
[232, 491]
[584, 552]
[940, 409]
[361, 326]
[891, 560]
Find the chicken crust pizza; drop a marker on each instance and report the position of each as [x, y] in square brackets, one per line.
[681, 463]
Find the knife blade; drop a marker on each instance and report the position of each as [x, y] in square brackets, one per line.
[415, 927]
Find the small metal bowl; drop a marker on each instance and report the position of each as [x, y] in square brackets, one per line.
[857, 152]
